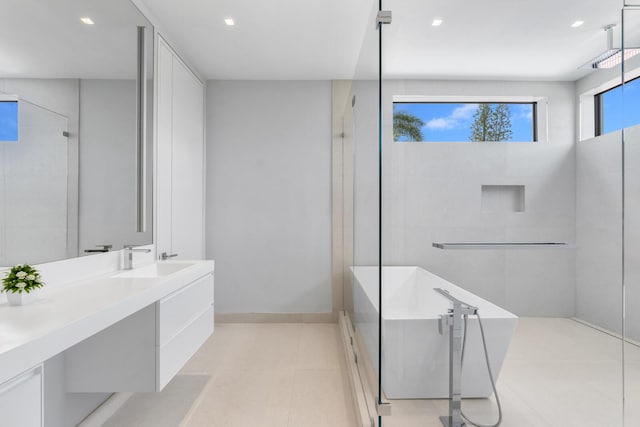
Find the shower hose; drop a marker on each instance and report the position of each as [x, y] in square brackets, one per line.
[493, 383]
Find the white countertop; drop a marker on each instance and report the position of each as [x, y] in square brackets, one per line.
[65, 315]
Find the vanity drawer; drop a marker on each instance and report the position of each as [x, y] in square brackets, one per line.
[173, 355]
[21, 400]
[179, 309]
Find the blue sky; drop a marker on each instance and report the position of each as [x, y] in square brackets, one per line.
[615, 101]
[8, 120]
[452, 122]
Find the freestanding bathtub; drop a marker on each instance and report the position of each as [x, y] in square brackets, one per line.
[415, 357]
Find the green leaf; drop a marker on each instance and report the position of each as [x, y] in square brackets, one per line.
[407, 125]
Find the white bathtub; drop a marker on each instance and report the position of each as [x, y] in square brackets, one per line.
[415, 361]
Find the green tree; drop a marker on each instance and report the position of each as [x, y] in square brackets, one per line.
[491, 123]
[500, 123]
[480, 129]
[407, 125]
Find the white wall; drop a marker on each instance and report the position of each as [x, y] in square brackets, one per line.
[268, 206]
[108, 165]
[599, 262]
[432, 194]
[632, 231]
[599, 231]
[599, 222]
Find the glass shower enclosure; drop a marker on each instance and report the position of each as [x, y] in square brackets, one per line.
[489, 226]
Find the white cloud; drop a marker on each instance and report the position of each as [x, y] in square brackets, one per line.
[462, 113]
[441, 123]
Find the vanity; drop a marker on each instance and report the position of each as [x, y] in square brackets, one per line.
[112, 122]
[122, 331]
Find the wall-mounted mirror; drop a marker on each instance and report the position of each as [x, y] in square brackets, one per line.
[75, 138]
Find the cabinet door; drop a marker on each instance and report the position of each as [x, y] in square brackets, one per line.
[180, 158]
[21, 400]
[187, 191]
[176, 353]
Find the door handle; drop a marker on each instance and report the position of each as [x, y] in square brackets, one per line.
[164, 256]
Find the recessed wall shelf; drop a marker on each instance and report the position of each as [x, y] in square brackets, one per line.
[503, 245]
[502, 198]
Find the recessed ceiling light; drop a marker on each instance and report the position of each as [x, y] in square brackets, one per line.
[229, 21]
[577, 24]
[437, 22]
[87, 21]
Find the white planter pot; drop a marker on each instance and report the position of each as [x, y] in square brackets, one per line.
[21, 298]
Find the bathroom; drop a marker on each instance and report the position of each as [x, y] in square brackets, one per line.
[260, 151]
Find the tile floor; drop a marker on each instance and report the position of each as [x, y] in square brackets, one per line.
[558, 372]
[249, 375]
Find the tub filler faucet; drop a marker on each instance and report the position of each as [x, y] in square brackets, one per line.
[128, 255]
[454, 320]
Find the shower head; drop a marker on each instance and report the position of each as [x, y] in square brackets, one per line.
[613, 55]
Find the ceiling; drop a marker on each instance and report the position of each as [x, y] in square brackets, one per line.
[45, 38]
[497, 39]
[304, 39]
[275, 39]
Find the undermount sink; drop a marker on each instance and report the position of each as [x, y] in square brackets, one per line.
[160, 269]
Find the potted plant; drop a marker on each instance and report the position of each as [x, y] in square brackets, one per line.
[19, 284]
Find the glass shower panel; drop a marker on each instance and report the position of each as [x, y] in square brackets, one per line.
[33, 188]
[359, 213]
[521, 240]
[630, 93]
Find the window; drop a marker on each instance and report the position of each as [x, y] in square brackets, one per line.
[8, 121]
[465, 121]
[618, 107]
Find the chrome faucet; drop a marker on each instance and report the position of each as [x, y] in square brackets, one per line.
[128, 255]
[103, 248]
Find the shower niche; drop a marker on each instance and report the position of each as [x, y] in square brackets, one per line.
[502, 198]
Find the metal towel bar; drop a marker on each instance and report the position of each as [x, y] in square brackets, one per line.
[502, 245]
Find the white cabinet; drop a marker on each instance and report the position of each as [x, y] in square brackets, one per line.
[144, 351]
[173, 355]
[177, 310]
[21, 400]
[180, 158]
[185, 321]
